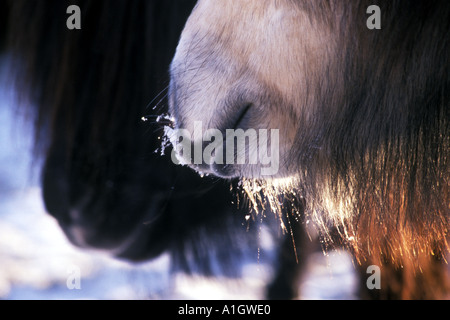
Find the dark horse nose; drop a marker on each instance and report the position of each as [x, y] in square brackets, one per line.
[102, 214]
[237, 111]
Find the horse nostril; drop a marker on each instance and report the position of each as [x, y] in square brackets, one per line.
[242, 119]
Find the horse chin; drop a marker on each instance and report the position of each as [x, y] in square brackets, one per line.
[254, 172]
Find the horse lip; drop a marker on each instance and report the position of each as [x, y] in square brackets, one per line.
[203, 169]
[223, 170]
[226, 171]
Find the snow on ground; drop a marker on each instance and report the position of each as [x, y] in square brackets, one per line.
[37, 262]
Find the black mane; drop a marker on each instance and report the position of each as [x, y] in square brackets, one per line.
[89, 89]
